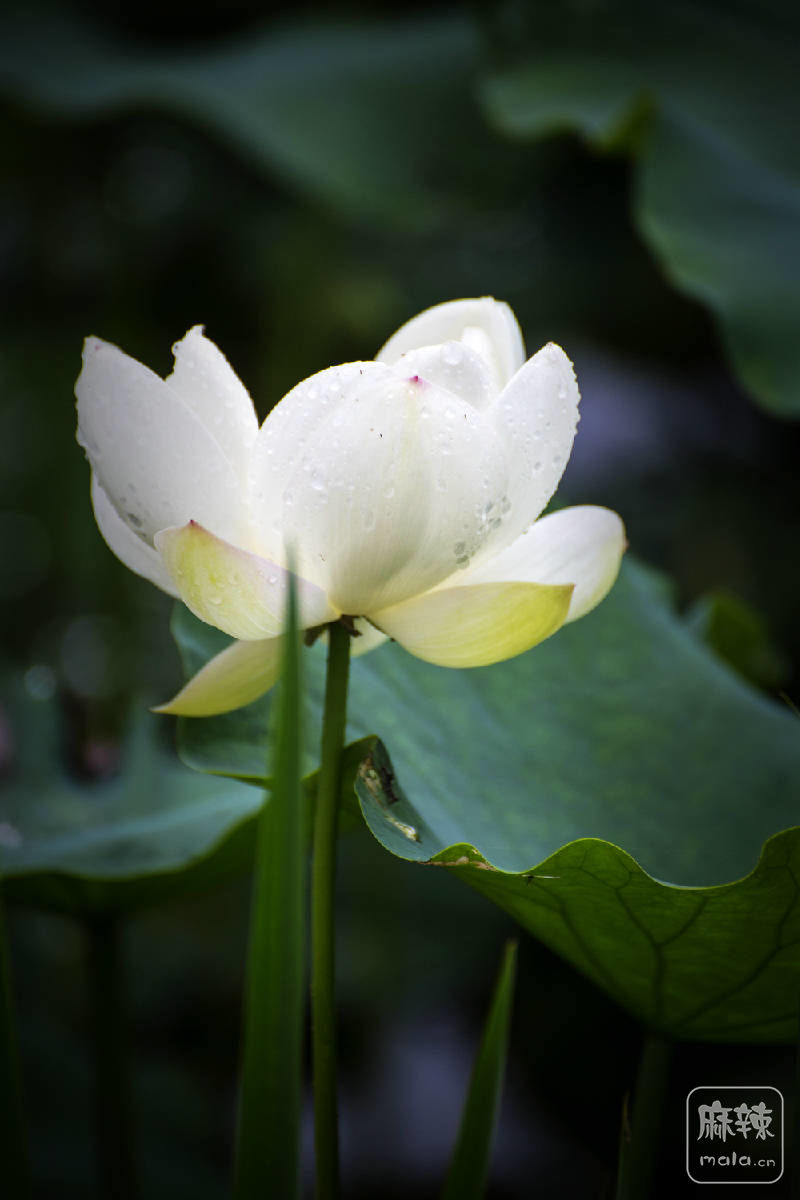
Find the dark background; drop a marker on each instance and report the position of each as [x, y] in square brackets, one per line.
[136, 222]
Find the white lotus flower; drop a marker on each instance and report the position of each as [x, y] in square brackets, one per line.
[409, 489]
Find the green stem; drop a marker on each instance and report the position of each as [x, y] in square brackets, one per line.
[322, 917]
[113, 1083]
[270, 1096]
[639, 1143]
[13, 1135]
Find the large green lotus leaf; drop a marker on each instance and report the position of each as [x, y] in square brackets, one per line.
[712, 964]
[526, 778]
[377, 117]
[623, 726]
[705, 99]
[153, 830]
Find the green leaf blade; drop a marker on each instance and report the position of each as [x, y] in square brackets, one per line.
[268, 1137]
[469, 1166]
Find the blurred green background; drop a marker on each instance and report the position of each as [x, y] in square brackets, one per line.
[301, 185]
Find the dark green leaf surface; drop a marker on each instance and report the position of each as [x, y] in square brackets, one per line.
[527, 777]
[719, 963]
[469, 1167]
[622, 726]
[706, 101]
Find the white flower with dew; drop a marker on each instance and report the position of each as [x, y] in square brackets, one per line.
[409, 489]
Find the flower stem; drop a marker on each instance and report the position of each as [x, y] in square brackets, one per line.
[322, 919]
[639, 1143]
[113, 1084]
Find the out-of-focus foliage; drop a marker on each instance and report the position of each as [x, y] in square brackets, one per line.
[381, 120]
[142, 830]
[377, 118]
[740, 636]
[704, 98]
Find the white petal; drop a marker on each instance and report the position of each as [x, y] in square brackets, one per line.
[536, 416]
[370, 638]
[581, 545]
[387, 493]
[453, 367]
[129, 548]
[241, 593]
[282, 441]
[487, 326]
[207, 384]
[157, 463]
[239, 674]
[478, 625]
